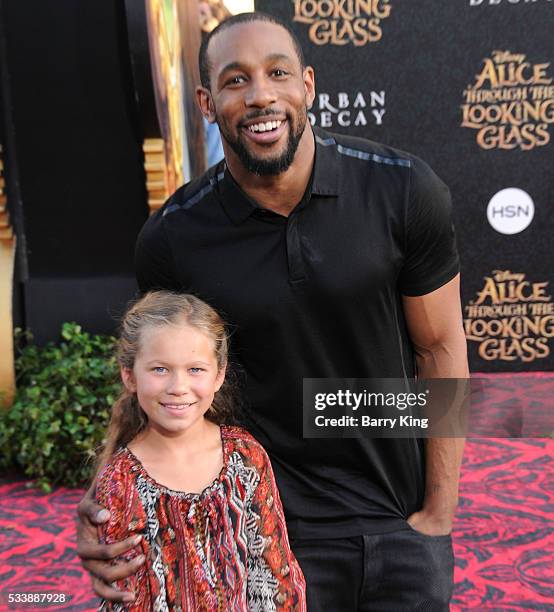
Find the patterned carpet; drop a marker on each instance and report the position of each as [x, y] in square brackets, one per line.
[503, 533]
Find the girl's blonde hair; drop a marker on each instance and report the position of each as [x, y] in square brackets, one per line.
[156, 309]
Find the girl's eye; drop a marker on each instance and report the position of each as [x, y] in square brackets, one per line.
[196, 370]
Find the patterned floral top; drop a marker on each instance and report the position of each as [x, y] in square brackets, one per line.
[225, 549]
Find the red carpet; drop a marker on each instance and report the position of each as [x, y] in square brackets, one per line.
[503, 533]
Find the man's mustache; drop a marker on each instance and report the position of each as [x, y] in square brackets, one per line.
[268, 112]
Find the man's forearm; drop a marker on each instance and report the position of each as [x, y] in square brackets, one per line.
[443, 456]
[435, 326]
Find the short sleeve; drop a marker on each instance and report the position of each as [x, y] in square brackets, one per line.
[116, 492]
[154, 265]
[275, 580]
[431, 256]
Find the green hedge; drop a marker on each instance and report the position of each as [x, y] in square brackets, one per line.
[61, 408]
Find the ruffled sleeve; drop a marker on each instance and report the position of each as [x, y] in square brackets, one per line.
[275, 580]
[116, 491]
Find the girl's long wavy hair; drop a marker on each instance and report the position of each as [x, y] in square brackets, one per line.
[156, 309]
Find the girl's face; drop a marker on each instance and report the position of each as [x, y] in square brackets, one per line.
[175, 377]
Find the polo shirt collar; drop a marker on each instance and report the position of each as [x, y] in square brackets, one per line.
[239, 206]
[326, 166]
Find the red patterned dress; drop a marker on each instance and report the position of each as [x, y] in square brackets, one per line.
[225, 549]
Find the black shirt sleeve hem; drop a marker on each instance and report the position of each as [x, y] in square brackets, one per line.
[434, 283]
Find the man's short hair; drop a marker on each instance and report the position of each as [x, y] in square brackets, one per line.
[203, 60]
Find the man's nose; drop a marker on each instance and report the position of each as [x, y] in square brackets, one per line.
[260, 93]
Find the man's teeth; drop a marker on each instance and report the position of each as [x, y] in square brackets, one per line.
[265, 127]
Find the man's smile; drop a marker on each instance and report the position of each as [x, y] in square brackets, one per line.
[264, 127]
[265, 132]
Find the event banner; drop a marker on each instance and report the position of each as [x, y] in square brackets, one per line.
[467, 85]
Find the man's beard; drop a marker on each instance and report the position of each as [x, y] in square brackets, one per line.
[274, 165]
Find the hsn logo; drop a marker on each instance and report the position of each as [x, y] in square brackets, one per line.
[510, 210]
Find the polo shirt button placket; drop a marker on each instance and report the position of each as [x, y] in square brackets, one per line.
[297, 272]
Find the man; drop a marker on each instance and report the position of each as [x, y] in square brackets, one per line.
[331, 256]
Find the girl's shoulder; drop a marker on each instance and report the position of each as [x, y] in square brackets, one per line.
[116, 473]
[238, 435]
[243, 442]
[116, 490]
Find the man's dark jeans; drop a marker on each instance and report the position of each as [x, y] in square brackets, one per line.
[394, 572]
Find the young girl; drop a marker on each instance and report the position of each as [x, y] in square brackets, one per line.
[201, 494]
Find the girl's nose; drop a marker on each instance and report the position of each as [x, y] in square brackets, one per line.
[178, 384]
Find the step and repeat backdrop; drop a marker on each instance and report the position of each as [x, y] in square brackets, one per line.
[468, 85]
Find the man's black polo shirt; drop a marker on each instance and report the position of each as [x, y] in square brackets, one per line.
[317, 295]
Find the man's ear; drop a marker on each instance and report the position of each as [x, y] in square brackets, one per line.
[206, 104]
[128, 378]
[309, 85]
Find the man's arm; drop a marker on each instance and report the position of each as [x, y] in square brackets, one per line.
[435, 326]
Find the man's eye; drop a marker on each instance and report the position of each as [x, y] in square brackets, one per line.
[160, 369]
[236, 80]
[279, 72]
